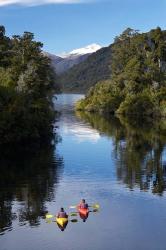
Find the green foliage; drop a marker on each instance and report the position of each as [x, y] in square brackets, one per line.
[22, 119]
[104, 97]
[26, 83]
[138, 76]
[5, 77]
[140, 104]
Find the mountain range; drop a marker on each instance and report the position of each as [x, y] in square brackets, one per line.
[82, 76]
[64, 62]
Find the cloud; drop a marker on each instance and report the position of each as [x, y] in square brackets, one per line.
[81, 133]
[38, 2]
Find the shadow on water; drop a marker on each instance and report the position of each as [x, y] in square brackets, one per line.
[139, 149]
[28, 178]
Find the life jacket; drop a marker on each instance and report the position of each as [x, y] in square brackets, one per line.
[83, 205]
[62, 215]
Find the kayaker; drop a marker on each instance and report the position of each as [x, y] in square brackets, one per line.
[83, 204]
[62, 213]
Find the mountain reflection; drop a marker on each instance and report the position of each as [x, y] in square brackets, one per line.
[29, 180]
[139, 149]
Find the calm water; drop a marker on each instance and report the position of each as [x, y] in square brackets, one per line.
[119, 164]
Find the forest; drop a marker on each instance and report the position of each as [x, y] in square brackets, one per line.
[137, 83]
[26, 86]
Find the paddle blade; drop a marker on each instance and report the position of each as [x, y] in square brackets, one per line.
[97, 206]
[95, 210]
[49, 216]
[74, 220]
[73, 214]
[48, 221]
[72, 206]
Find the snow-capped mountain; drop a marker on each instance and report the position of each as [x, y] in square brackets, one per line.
[65, 61]
[83, 51]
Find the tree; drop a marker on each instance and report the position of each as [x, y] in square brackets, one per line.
[26, 84]
[2, 31]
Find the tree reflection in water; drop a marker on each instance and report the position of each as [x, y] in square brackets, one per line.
[29, 178]
[139, 149]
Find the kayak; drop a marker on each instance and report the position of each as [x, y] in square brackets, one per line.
[83, 211]
[62, 221]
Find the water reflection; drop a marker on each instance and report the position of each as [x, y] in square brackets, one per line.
[81, 133]
[62, 226]
[84, 217]
[139, 150]
[69, 124]
[27, 181]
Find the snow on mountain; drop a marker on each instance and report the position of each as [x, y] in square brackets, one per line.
[64, 62]
[83, 51]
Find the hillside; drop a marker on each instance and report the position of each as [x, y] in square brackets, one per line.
[81, 77]
[68, 62]
[137, 85]
[54, 59]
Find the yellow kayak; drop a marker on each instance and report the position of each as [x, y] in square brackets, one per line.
[62, 221]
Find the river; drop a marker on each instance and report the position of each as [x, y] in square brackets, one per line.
[120, 165]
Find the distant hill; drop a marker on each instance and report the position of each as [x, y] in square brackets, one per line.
[86, 74]
[55, 59]
[68, 62]
[63, 63]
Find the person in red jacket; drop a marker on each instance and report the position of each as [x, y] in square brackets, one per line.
[83, 204]
[62, 213]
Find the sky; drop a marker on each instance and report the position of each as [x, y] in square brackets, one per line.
[64, 25]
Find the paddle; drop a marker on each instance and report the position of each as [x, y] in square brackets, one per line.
[73, 220]
[97, 206]
[49, 216]
[94, 210]
[48, 221]
[76, 213]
